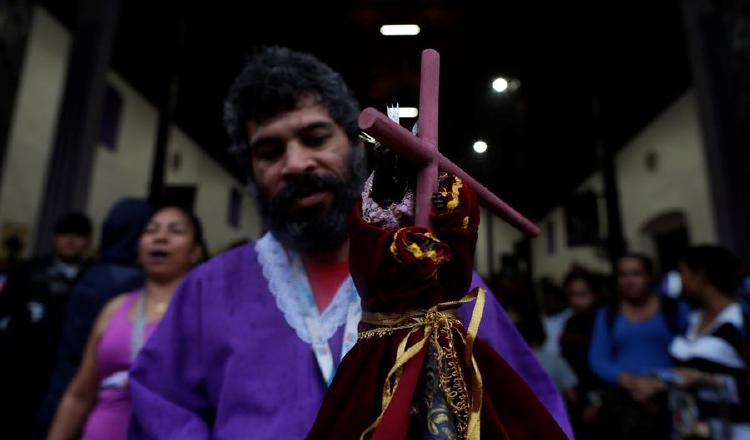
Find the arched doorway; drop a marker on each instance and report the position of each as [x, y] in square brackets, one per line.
[669, 235]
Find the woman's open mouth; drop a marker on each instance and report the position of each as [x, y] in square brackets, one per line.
[158, 257]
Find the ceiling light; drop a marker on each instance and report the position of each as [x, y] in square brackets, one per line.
[480, 146]
[399, 29]
[500, 84]
[408, 112]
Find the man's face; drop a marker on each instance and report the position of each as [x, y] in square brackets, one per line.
[580, 297]
[302, 164]
[633, 281]
[71, 247]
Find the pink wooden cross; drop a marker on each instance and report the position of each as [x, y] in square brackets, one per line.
[423, 151]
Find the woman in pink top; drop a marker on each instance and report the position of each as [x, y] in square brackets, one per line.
[97, 401]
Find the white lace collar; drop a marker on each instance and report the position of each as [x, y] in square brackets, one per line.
[288, 283]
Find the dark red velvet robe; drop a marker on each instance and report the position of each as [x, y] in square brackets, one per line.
[391, 280]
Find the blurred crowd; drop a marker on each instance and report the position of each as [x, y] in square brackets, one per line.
[636, 354]
[68, 319]
[646, 355]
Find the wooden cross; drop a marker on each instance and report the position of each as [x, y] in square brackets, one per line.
[423, 151]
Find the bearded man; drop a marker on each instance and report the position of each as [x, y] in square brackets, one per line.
[253, 337]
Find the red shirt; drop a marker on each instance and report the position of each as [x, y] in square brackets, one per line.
[325, 280]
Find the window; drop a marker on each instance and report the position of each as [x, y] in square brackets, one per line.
[110, 123]
[551, 238]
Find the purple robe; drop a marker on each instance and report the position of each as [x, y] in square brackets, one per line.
[224, 363]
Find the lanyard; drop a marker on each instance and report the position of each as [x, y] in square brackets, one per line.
[321, 348]
[119, 380]
[314, 322]
[139, 326]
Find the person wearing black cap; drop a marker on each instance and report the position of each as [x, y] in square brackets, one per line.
[32, 311]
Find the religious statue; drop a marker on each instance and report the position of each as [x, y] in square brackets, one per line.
[416, 371]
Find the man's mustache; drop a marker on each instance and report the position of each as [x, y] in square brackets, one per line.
[304, 185]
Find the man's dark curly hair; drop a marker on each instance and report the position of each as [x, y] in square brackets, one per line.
[274, 80]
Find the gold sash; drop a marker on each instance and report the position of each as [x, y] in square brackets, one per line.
[437, 321]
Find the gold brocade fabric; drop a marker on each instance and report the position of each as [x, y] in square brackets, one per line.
[437, 325]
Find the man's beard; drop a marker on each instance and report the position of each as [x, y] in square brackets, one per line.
[318, 227]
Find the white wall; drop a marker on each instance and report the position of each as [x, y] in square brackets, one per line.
[123, 172]
[34, 120]
[212, 198]
[680, 182]
[126, 170]
[555, 265]
[504, 236]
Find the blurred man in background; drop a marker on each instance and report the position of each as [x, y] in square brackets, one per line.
[32, 311]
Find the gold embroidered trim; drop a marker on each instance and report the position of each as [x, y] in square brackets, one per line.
[453, 195]
[415, 249]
